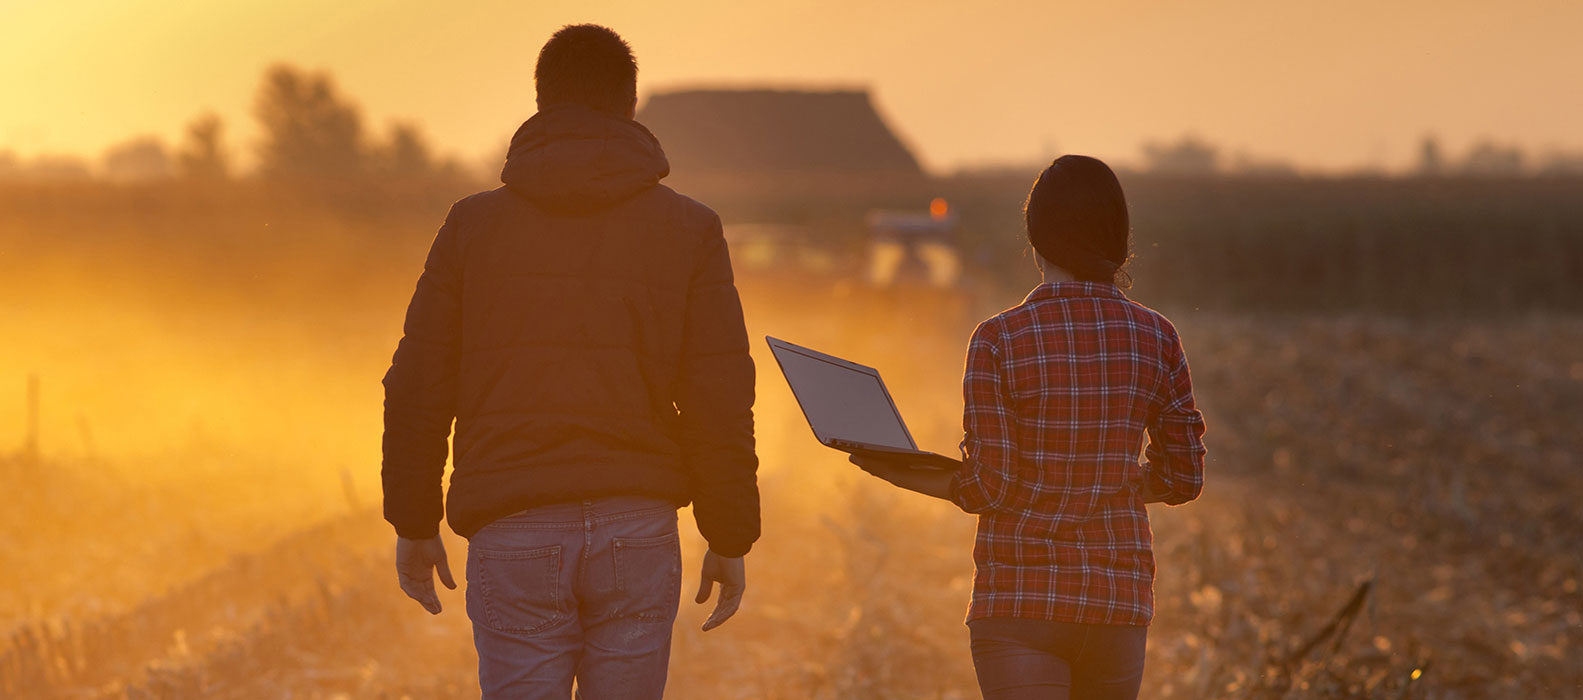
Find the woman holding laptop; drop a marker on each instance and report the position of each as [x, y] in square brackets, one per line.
[1059, 394]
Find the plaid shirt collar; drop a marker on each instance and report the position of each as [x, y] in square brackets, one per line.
[1053, 290]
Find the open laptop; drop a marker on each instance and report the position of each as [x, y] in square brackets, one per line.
[849, 408]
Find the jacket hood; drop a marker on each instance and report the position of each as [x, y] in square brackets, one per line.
[572, 158]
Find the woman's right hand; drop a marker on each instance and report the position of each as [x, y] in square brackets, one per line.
[1150, 495]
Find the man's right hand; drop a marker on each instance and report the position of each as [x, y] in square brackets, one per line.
[731, 573]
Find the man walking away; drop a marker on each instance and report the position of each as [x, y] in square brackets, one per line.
[581, 327]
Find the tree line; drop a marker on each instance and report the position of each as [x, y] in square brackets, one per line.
[310, 132]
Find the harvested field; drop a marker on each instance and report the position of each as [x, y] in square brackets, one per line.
[1421, 471]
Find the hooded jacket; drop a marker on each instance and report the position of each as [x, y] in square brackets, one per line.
[581, 327]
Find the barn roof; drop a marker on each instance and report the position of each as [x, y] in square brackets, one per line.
[775, 132]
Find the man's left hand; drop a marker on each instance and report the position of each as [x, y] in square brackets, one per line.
[416, 562]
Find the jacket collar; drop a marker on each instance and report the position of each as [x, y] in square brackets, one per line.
[1054, 290]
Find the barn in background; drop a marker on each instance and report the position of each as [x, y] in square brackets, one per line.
[811, 184]
[762, 135]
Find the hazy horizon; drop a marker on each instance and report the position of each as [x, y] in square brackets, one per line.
[1344, 86]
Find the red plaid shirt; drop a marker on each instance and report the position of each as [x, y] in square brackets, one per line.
[1059, 394]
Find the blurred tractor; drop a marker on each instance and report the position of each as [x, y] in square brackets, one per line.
[913, 249]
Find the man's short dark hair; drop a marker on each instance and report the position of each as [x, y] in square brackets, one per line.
[589, 65]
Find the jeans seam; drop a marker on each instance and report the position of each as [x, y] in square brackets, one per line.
[588, 542]
[632, 514]
[503, 525]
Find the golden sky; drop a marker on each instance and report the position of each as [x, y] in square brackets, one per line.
[1337, 84]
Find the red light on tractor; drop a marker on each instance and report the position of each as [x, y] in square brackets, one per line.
[938, 208]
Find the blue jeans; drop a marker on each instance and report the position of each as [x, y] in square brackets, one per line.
[583, 591]
[1020, 659]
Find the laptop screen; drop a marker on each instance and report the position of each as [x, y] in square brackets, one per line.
[842, 401]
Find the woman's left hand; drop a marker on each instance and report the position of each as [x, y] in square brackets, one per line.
[883, 468]
[929, 482]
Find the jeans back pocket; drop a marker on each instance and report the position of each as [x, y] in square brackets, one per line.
[648, 576]
[518, 591]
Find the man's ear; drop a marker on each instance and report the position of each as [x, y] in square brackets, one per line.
[632, 109]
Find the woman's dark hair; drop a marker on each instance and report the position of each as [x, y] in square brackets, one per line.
[589, 65]
[1077, 220]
